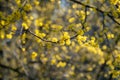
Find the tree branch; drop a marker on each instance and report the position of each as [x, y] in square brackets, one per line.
[97, 9]
[12, 69]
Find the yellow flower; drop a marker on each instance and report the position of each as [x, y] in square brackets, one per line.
[71, 20]
[90, 69]
[110, 35]
[88, 28]
[53, 61]
[68, 42]
[44, 60]
[52, 0]
[25, 26]
[114, 2]
[74, 6]
[58, 57]
[81, 38]
[104, 47]
[62, 42]
[65, 36]
[33, 55]
[80, 32]
[42, 35]
[82, 15]
[14, 28]
[2, 35]
[9, 36]
[3, 22]
[28, 7]
[36, 3]
[23, 49]
[71, 73]
[102, 61]
[92, 49]
[54, 39]
[61, 64]
[36, 31]
[72, 67]
[56, 48]
[18, 2]
[24, 35]
[38, 22]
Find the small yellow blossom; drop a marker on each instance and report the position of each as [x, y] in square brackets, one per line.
[31, 17]
[110, 35]
[28, 7]
[52, 0]
[88, 28]
[24, 35]
[62, 42]
[44, 60]
[58, 57]
[65, 36]
[53, 61]
[18, 2]
[109, 62]
[81, 38]
[9, 36]
[104, 47]
[80, 32]
[38, 22]
[54, 39]
[71, 73]
[61, 64]
[72, 67]
[42, 35]
[25, 26]
[88, 77]
[74, 6]
[89, 68]
[14, 28]
[41, 24]
[23, 49]
[71, 20]
[2, 35]
[37, 31]
[56, 48]
[68, 42]
[114, 2]
[33, 55]
[2, 22]
[36, 3]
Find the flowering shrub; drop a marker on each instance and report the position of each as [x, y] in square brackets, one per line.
[59, 39]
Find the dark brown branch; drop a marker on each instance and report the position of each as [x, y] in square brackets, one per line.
[83, 24]
[38, 36]
[110, 16]
[73, 37]
[15, 70]
[97, 9]
[12, 69]
[78, 2]
[102, 67]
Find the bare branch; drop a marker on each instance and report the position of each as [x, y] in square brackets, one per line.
[12, 69]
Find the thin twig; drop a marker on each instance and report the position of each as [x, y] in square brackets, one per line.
[38, 36]
[85, 18]
[12, 69]
[97, 9]
[26, 72]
